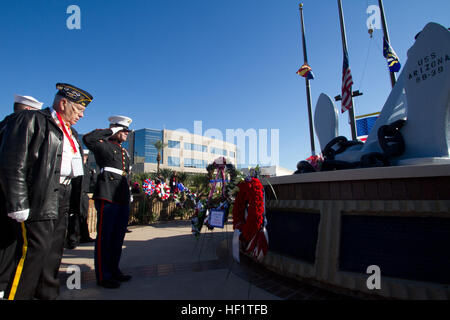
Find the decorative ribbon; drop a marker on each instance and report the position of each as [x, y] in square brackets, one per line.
[66, 133]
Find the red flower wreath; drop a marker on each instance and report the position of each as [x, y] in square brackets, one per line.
[252, 227]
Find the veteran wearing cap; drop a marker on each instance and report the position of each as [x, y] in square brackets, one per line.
[111, 197]
[41, 173]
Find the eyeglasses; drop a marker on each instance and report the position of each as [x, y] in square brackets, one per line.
[78, 108]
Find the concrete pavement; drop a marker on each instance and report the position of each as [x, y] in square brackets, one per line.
[168, 263]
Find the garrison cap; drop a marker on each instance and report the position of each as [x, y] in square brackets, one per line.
[74, 94]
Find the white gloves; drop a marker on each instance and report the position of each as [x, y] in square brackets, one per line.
[116, 129]
[20, 216]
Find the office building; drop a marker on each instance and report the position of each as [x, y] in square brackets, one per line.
[183, 151]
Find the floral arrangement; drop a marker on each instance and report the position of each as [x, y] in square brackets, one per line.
[222, 201]
[149, 187]
[252, 223]
[316, 161]
[163, 191]
[184, 197]
[199, 217]
[181, 187]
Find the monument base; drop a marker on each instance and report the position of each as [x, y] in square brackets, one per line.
[333, 227]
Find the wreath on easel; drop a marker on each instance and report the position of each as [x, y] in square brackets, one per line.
[202, 215]
[249, 217]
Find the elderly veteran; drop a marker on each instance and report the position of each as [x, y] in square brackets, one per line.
[111, 198]
[40, 178]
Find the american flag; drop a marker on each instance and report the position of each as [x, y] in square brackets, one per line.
[364, 125]
[347, 83]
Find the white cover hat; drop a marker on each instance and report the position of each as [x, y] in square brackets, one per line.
[120, 120]
[28, 101]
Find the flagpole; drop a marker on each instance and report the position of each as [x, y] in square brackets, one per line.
[308, 89]
[386, 36]
[344, 47]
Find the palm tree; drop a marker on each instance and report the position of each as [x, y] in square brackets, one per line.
[165, 173]
[159, 145]
[182, 177]
[199, 182]
[141, 177]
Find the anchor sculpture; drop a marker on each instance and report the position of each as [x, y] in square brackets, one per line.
[414, 124]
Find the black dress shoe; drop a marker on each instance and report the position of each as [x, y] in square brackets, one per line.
[110, 284]
[123, 277]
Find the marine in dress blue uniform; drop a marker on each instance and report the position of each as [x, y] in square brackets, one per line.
[111, 197]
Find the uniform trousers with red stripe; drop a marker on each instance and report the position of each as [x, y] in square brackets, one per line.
[112, 221]
[39, 276]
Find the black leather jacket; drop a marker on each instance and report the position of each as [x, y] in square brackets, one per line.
[31, 147]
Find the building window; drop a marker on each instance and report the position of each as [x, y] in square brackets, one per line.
[219, 151]
[195, 147]
[173, 161]
[194, 163]
[144, 150]
[174, 144]
[232, 154]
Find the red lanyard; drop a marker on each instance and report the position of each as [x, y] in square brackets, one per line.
[63, 126]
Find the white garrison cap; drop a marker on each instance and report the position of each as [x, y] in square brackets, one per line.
[28, 101]
[85, 152]
[120, 121]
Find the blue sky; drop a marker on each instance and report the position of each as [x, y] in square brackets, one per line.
[230, 64]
